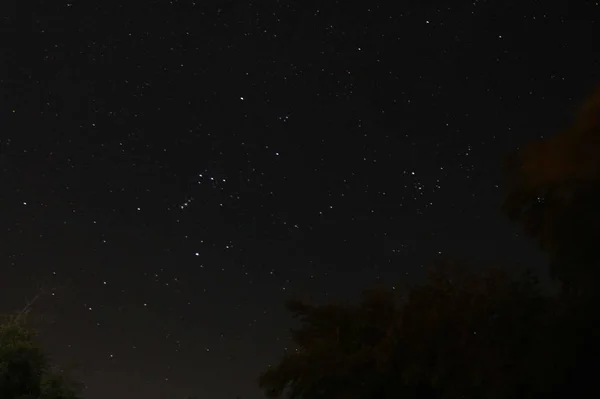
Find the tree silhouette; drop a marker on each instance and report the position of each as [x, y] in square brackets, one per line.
[463, 334]
[25, 369]
[336, 342]
[553, 190]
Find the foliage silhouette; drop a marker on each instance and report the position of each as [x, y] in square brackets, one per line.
[25, 369]
[553, 191]
[463, 334]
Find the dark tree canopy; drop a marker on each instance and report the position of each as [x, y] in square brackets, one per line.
[25, 369]
[462, 334]
[554, 192]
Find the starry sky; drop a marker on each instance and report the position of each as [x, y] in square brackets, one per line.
[172, 171]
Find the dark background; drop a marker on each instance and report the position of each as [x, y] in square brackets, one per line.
[172, 171]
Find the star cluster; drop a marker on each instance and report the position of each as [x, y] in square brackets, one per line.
[173, 171]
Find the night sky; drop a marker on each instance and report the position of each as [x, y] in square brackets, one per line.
[172, 171]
